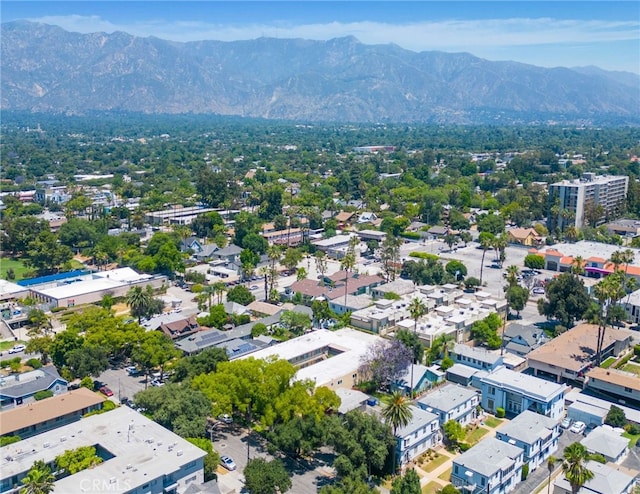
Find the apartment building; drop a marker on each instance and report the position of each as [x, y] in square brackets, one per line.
[573, 195]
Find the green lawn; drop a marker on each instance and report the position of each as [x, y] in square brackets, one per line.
[633, 439]
[5, 345]
[634, 368]
[608, 363]
[431, 488]
[475, 435]
[17, 265]
[493, 422]
[446, 476]
[76, 264]
[435, 463]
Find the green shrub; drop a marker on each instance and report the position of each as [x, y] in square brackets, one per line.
[636, 350]
[624, 361]
[6, 440]
[500, 412]
[107, 406]
[633, 429]
[57, 309]
[411, 235]
[41, 395]
[463, 447]
[525, 471]
[34, 363]
[423, 255]
[598, 457]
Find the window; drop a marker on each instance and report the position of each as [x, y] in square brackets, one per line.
[339, 382]
[490, 404]
[482, 481]
[455, 469]
[492, 390]
[627, 390]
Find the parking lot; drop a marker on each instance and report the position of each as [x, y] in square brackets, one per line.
[122, 384]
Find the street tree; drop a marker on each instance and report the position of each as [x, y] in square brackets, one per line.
[240, 294]
[177, 407]
[567, 300]
[154, 350]
[266, 477]
[486, 240]
[517, 297]
[390, 257]
[409, 483]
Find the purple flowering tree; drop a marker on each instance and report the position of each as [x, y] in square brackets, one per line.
[385, 362]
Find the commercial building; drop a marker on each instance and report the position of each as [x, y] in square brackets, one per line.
[490, 467]
[177, 215]
[536, 434]
[574, 196]
[139, 456]
[90, 288]
[328, 358]
[516, 392]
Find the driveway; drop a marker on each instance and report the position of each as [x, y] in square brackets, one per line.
[122, 384]
[231, 440]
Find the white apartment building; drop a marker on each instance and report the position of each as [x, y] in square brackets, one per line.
[572, 195]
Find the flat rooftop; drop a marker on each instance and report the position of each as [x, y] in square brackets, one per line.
[617, 377]
[142, 450]
[524, 384]
[447, 397]
[488, 457]
[528, 427]
[351, 344]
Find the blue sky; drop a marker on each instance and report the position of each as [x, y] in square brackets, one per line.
[549, 34]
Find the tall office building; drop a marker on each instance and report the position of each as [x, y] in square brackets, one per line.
[574, 195]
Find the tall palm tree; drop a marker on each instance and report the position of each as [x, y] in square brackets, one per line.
[485, 243]
[397, 413]
[577, 265]
[417, 309]
[608, 291]
[551, 466]
[573, 465]
[321, 264]
[138, 301]
[347, 264]
[39, 479]
[274, 253]
[219, 287]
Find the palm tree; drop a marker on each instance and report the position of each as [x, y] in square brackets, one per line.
[608, 291]
[551, 466]
[39, 479]
[485, 243]
[512, 274]
[500, 245]
[347, 264]
[577, 265]
[417, 309]
[397, 413]
[138, 301]
[573, 465]
[274, 253]
[219, 287]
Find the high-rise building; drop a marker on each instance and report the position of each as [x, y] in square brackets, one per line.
[575, 196]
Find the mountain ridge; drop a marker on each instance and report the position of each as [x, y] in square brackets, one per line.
[48, 69]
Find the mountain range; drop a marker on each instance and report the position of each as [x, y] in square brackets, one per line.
[47, 69]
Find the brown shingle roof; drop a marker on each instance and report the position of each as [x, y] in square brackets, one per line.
[574, 349]
[615, 377]
[48, 409]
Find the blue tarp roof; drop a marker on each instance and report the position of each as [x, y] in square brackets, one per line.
[52, 277]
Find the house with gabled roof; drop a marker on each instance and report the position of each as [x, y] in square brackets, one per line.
[419, 435]
[605, 441]
[16, 389]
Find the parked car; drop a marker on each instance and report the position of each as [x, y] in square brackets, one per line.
[538, 290]
[106, 391]
[17, 349]
[132, 370]
[228, 463]
[157, 382]
[566, 423]
[225, 418]
[578, 427]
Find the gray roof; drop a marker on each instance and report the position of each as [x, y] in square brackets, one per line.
[523, 383]
[350, 399]
[419, 419]
[157, 321]
[606, 480]
[480, 354]
[236, 348]
[28, 383]
[488, 457]
[447, 397]
[207, 250]
[235, 308]
[229, 250]
[210, 487]
[419, 371]
[462, 370]
[605, 441]
[528, 427]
